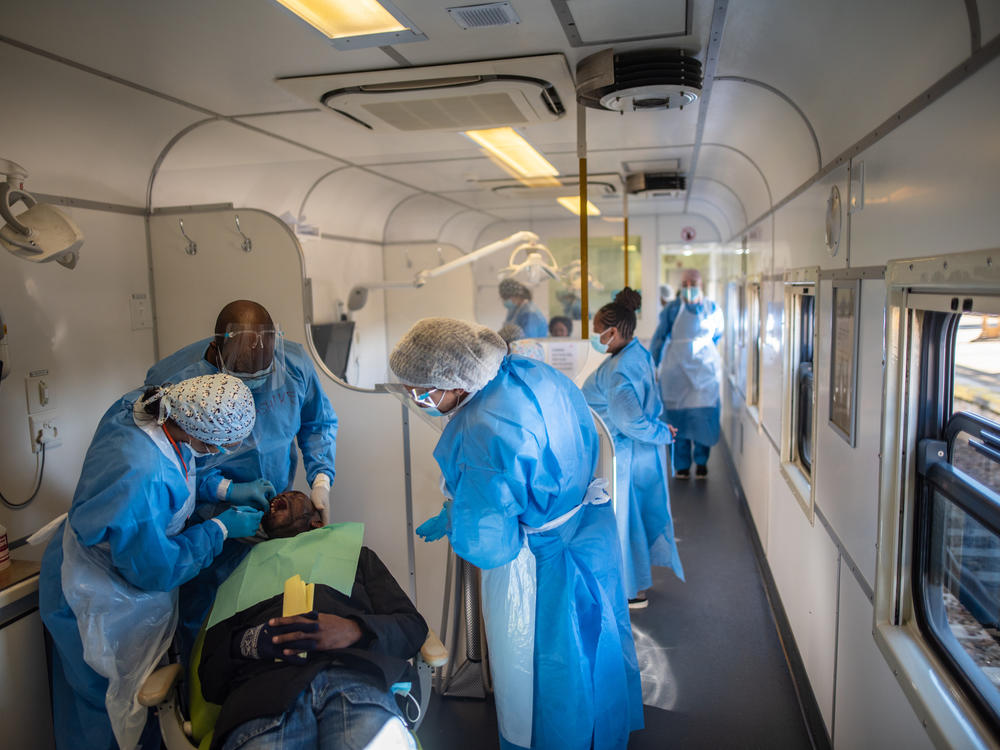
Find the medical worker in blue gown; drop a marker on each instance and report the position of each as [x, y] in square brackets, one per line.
[107, 592]
[517, 458]
[624, 393]
[690, 373]
[521, 311]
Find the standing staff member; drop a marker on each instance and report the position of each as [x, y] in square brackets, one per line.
[517, 458]
[624, 394]
[291, 405]
[521, 311]
[691, 373]
[107, 591]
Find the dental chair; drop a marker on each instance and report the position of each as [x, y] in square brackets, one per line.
[162, 691]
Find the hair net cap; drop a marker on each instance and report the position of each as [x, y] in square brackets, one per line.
[513, 288]
[216, 409]
[446, 353]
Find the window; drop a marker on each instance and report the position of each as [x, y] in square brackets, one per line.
[799, 391]
[957, 535]
[753, 343]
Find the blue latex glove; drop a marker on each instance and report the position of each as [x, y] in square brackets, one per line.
[434, 528]
[240, 521]
[256, 493]
[256, 643]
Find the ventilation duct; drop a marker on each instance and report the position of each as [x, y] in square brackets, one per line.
[464, 96]
[487, 15]
[638, 81]
[656, 184]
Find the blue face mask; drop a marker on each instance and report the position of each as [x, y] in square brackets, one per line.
[427, 405]
[690, 293]
[509, 304]
[255, 380]
[595, 341]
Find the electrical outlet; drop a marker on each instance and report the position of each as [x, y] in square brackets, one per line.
[44, 428]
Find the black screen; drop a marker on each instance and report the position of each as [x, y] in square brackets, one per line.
[333, 344]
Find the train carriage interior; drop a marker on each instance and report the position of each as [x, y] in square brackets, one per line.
[832, 170]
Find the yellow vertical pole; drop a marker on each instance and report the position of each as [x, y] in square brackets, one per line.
[581, 152]
[625, 240]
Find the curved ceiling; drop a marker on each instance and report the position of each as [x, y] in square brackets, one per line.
[790, 78]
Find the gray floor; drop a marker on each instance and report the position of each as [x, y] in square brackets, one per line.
[714, 673]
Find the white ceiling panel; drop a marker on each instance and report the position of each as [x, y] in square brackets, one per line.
[223, 55]
[721, 196]
[714, 216]
[662, 128]
[598, 20]
[848, 64]
[442, 175]
[736, 171]
[989, 20]
[353, 203]
[222, 143]
[68, 132]
[758, 123]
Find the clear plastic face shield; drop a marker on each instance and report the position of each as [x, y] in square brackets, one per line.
[254, 354]
[421, 401]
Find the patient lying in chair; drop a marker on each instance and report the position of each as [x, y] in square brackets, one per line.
[319, 679]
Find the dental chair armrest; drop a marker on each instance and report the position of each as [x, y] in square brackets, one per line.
[158, 685]
[433, 651]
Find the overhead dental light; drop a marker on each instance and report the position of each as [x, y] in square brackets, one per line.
[359, 294]
[531, 262]
[356, 24]
[572, 204]
[514, 154]
[40, 234]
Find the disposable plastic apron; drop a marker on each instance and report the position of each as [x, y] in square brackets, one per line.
[509, 610]
[125, 630]
[692, 367]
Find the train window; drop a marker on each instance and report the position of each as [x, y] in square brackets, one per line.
[753, 332]
[958, 501]
[798, 420]
[735, 301]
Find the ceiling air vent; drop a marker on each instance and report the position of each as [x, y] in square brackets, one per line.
[656, 184]
[484, 16]
[638, 81]
[462, 96]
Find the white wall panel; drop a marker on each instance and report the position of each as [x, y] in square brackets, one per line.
[872, 710]
[419, 217]
[931, 184]
[804, 562]
[67, 129]
[989, 20]
[721, 196]
[751, 465]
[353, 203]
[849, 499]
[75, 324]
[771, 358]
[733, 169]
[799, 227]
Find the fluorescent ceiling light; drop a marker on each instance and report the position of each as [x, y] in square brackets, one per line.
[345, 18]
[572, 203]
[507, 146]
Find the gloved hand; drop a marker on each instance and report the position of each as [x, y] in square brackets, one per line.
[321, 496]
[256, 493]
[257, 642]
[434, 528]
[240, 521]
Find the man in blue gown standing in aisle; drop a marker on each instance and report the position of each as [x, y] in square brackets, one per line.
[684, 347]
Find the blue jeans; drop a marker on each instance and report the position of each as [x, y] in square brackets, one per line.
[682, 454]
[340, 708]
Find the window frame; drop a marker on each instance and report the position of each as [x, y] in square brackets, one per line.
[754, 337]
[915, 288]
[856, 287]
[799, 283]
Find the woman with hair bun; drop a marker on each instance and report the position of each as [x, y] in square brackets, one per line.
[623, 392]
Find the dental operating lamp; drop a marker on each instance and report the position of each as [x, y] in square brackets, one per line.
[359, 294]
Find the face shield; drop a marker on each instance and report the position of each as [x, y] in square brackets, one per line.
[254, 354]
[404, 394]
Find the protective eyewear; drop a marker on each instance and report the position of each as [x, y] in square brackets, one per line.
[252, 339]
[424, 399]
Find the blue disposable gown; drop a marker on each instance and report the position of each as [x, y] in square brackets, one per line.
[690, 373]
[128, 494]
[521, 453]
[530, 319]
[297, 410]
[624, 394]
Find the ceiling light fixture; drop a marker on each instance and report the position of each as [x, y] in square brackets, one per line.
[510, 149]
[355, 24]
[572, 203]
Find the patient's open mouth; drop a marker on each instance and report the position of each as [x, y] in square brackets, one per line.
[279, 503]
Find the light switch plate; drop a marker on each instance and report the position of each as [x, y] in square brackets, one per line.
[38, 390]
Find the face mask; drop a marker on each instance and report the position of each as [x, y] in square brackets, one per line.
[255, 380]
[509, 304]
[199, 454]
[595, 341]
[690, 293]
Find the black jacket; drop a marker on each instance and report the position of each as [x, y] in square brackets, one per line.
[392, 632]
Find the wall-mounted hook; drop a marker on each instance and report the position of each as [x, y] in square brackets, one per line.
[192, 246]
[246, 244]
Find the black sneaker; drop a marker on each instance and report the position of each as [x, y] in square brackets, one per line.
[682, 474]
[640, 601]
[701, 471]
